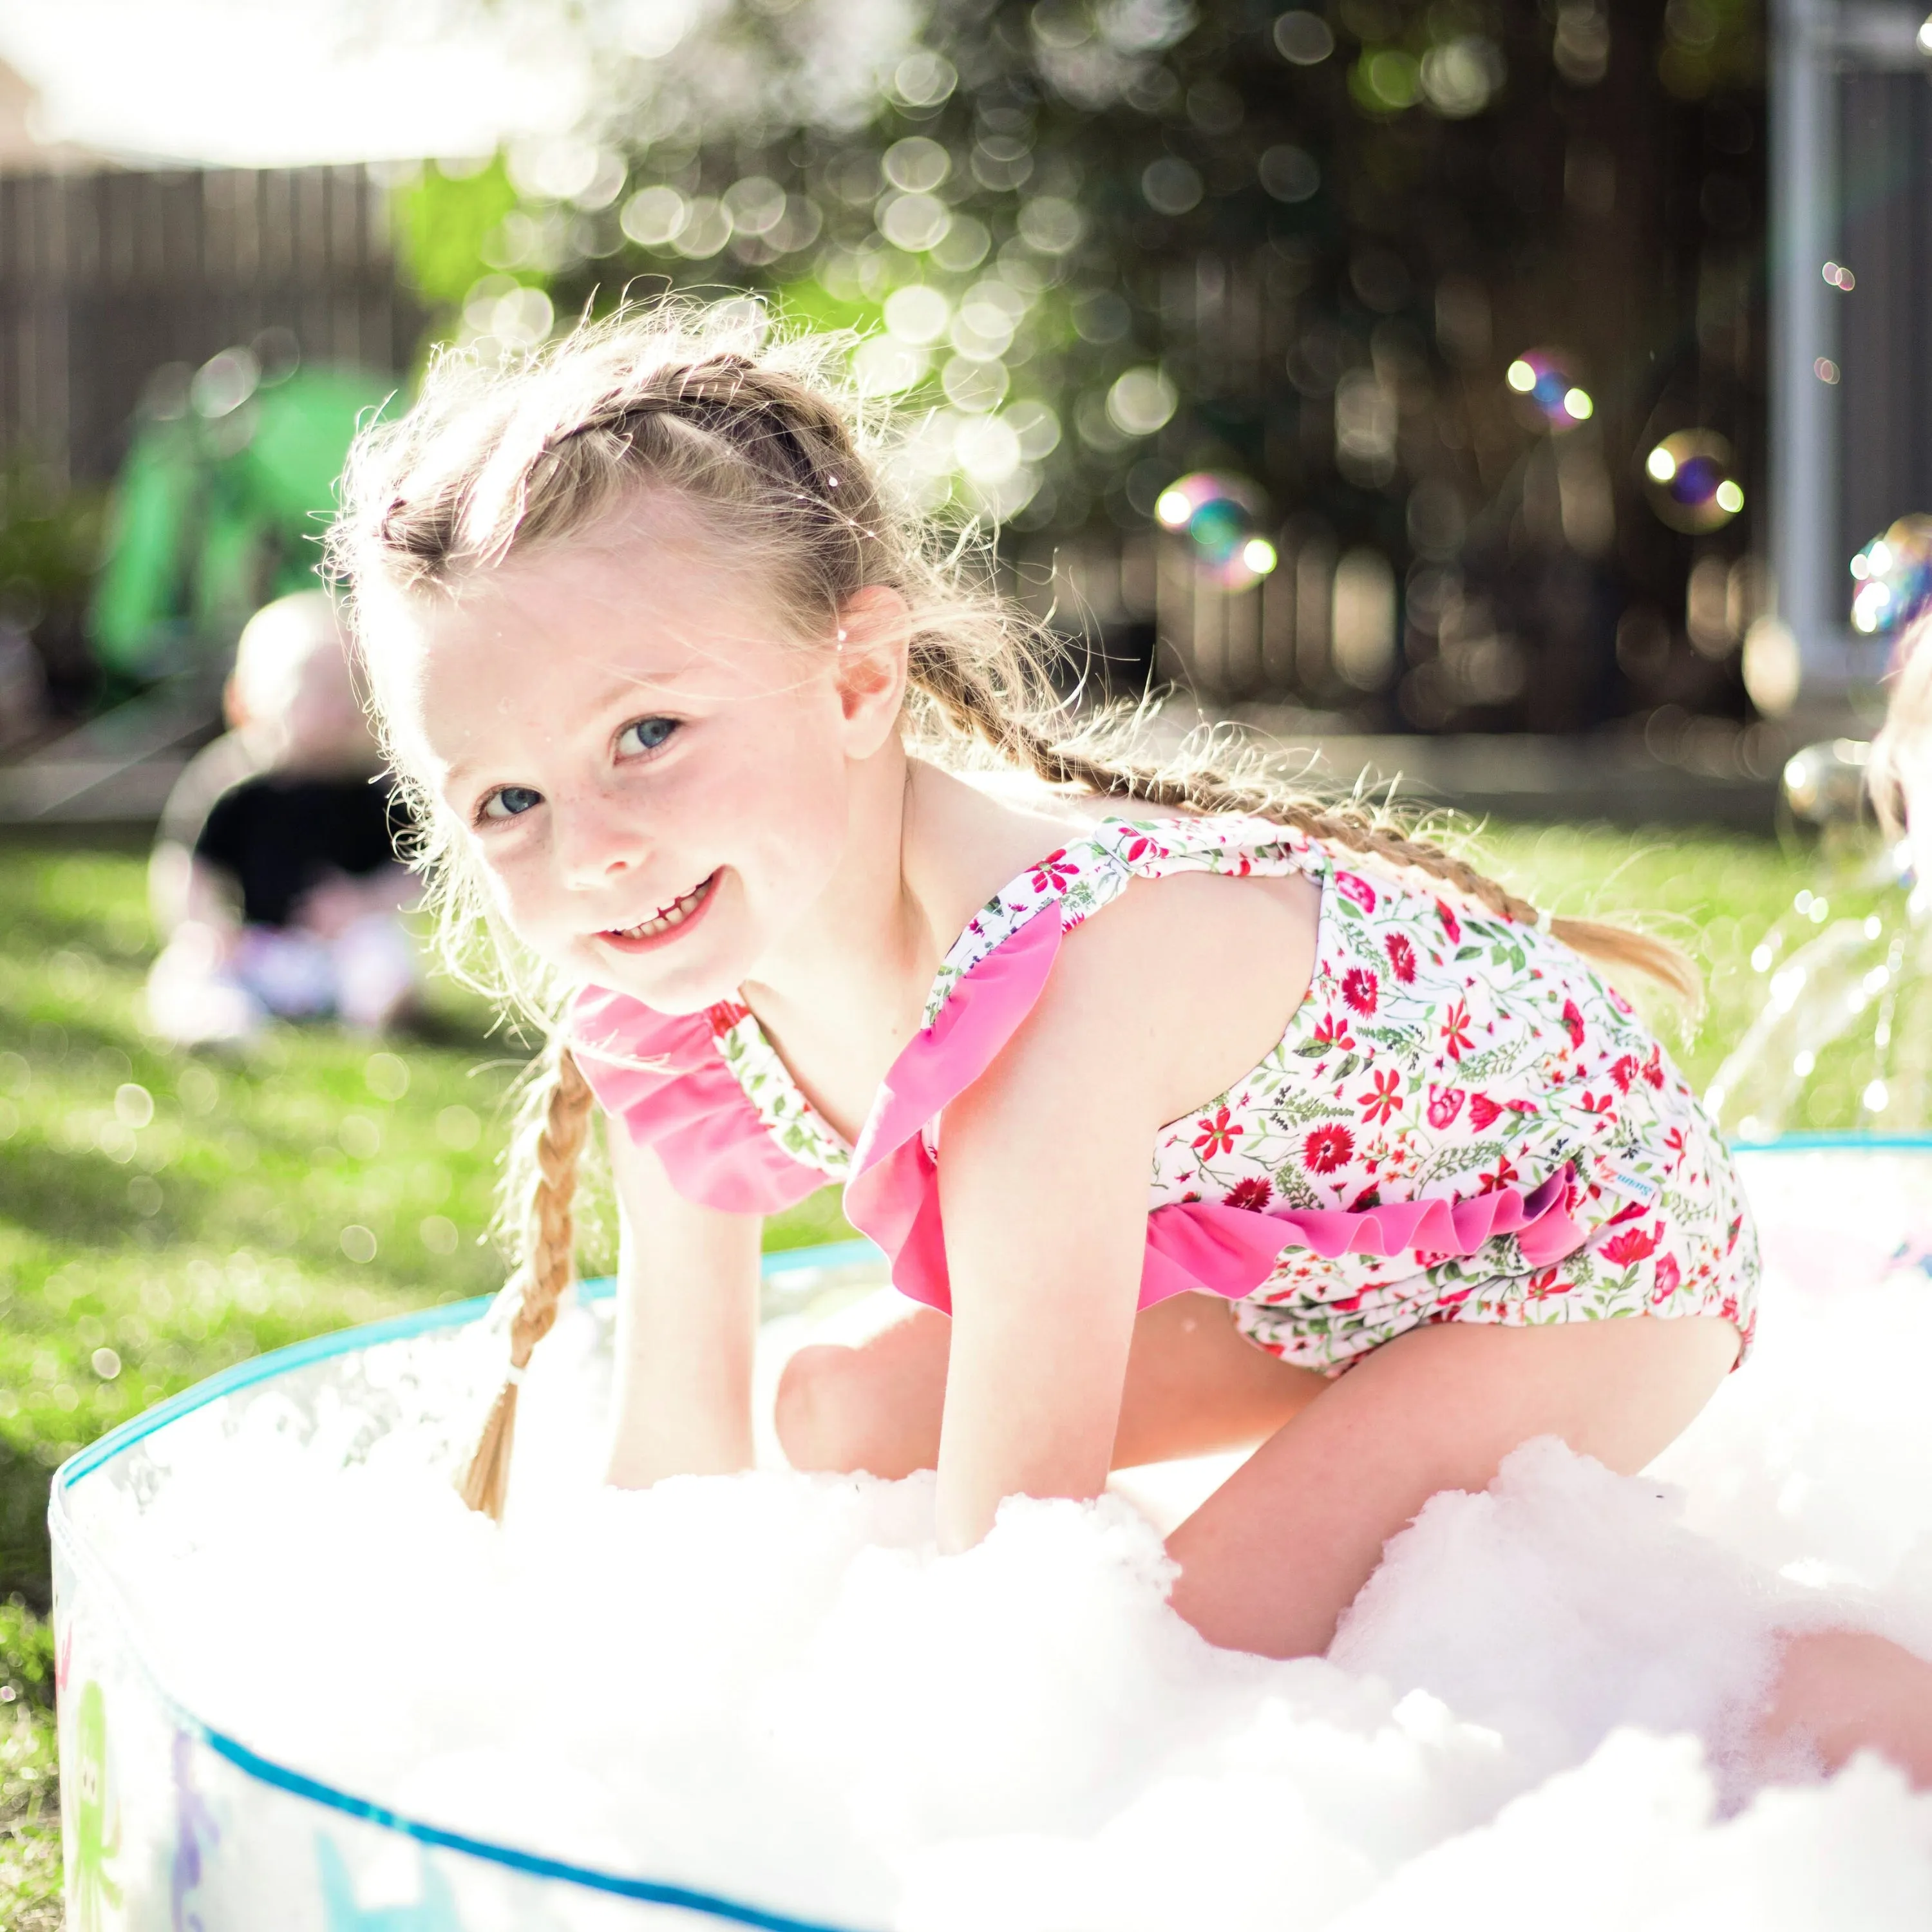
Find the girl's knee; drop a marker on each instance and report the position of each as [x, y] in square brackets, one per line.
[828, 1412]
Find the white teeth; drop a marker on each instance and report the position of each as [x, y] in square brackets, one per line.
[675, 914]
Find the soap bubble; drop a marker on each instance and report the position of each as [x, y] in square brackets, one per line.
[1219, 516]
[1543, 378]
[1689, 481]
[1824, 784]
[1893, 573]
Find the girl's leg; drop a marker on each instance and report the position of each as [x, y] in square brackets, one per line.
[1270, 1561]
[1839, 1692]
[1195, 1385]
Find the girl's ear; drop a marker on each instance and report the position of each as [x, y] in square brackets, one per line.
[872, 636]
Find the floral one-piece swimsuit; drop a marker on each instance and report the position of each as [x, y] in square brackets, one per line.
[1461, 1123]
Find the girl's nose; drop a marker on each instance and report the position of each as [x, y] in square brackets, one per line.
[595, 841]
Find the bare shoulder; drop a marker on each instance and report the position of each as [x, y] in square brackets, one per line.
[1171, 993]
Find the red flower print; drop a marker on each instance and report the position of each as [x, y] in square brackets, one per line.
[1217, 1136]
[1547, 1281]
[1360, 890]
[1360, 988]
[1450, 924]
[1617, 1000]
[1634, 1244]
[1329, 1031]
[1624, 1072]
[1631, 1210]
[1653, 1068]
[1731, 1236]
[1253, 1193]
[1670, 1279]
[1482, 1111]
[1050, 874]
[723, 1016]
[1573, 1020]
[1402, 957]
[1674, 1142]
[1503, 1176]
[1455, 1030]
[1141, 847]
[1606, 1107]
[1326, 1148]
[1383, 1100]
[1444, 1104]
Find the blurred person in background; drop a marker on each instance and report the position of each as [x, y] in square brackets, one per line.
[274, 881]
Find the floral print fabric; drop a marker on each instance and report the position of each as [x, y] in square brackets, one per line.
[1441, 1053]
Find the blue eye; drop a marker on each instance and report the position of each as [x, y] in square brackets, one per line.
[510, 801]
[645, 734]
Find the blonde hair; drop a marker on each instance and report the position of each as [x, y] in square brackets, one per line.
[757, 439]
[1903, 747]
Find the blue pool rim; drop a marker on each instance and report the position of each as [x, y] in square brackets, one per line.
[282, 1777]
[452, 1314]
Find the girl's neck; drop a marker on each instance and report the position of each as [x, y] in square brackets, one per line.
[844, 994]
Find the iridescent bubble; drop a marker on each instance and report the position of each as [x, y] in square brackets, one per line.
[1220, 516]
[1544, 379]
[1893, 574]
[1688, 478]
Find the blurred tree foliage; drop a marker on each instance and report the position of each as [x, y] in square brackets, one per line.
[1093, 244]
[50, 544]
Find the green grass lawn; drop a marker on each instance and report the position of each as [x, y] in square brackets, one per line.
[163, 1215]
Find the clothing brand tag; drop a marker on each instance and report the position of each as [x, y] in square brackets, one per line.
[1627, 1181]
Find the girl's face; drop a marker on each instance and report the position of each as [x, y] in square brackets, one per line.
[655, 779]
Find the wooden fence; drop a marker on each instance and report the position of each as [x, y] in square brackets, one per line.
[107, 278]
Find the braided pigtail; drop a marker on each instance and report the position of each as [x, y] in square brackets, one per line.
[973, 705]
[560, 1111]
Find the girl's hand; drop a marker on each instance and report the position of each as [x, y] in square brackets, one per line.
[687, 1322]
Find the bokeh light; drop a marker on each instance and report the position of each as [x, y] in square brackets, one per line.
[1544, 380]
[1687, 477]
[1219, 514]
[1893, 576]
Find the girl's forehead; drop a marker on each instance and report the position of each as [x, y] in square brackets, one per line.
[666, 614]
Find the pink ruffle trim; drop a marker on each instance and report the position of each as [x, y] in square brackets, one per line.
[685, 1102]
[718, 1151]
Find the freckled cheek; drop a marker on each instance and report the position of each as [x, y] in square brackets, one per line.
[524, 895]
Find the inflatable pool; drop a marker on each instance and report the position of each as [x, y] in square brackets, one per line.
[181, 1811]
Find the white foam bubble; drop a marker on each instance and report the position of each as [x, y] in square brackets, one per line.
[770, 1685]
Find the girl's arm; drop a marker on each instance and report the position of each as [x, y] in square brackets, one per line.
[1043, 1169]
[687, 1321]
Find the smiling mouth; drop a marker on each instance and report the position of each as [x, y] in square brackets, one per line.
[666, 918]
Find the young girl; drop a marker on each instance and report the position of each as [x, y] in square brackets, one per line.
[1191, 1115]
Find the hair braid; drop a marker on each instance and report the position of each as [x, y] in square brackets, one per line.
[561, 1103]
[973, 704]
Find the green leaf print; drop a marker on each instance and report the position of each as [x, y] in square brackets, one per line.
[1295, 1187]
[1291, 1109]
[1493, 1060]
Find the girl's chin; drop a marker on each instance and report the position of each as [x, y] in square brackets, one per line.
[665, 982]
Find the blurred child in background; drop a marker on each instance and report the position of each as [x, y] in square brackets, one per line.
[275, 879]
